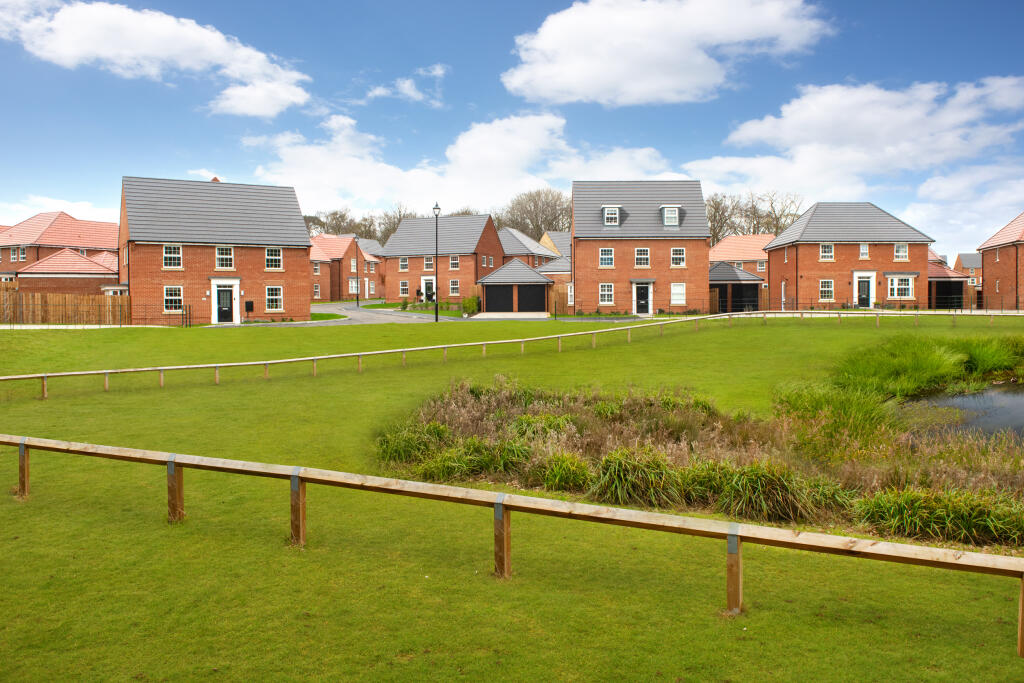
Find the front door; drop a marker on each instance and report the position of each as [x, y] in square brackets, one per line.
[643, 300]
[427, 287]
[864, 293]
[225, 308]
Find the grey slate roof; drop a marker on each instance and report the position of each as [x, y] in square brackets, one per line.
[847, 222]
[724, 271]
[559, 265]
[371, 247]
[562, 240]
[515, 243]
[195, 211]
[455, 235]
[640, 212]
[515, 272]
[970, 260]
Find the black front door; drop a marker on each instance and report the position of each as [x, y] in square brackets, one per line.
[863, 293]
[643, 299]
[225, 310]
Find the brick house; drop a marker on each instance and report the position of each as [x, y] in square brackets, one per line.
[516, 244]
[639, 246]
[947, 288]
[745, 252]
[320, 272]
[558, 241]
[46, 234]
[68, 272]
[1001, 263]
[848, 254]
[225, 251]
[970, 264]
[352, 269]
[468, 248]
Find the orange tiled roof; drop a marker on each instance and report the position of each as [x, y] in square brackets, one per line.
[335, 246]
[317, 254]
[70, 261]
[939, 270]
[1012, 232]
[741, 248]
[58, 229]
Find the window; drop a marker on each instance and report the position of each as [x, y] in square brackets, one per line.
[642, 257]
[316, 291]
[826, 290]
[225, 257]
[826, 252]
[172, 256]
[373, 267]
[900, 252]
[453, 263]
[864, 253]
[428, 263]
[273, 258]
[605, 294]
[606, 258]
[483, 261]
[490, 261]
[403, 288]
[571, 294]
[972, 271]
[901, 288]
[403, 263]
[22, 253]
[678, 294]
[6, 278]
[535, 262]
[739, 264]
[972, 281]
[275, 299]
[611, 215]
[366, 266]
[81, 252]
[353, 267]
[761, 265]
[126, 254]
[353, 285]
[678, 257]
[14, 254]
[785, 254]
[670, 215]
[997, 253]
[453, 288]
[172, 299]
[316, 268]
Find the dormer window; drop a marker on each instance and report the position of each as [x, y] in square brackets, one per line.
[670, 215]
[611, 215]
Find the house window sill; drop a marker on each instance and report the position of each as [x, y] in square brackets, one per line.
[273, 270]
[173, 269]
[826, 260]
[826, 301]
[677, 267]
[274, 310]
[901, 260]
[606, 267]
[173, 312]
[641, 267]
[225, 270]
[606, 304]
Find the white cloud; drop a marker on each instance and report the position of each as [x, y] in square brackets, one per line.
[628, 52]
[150, 44]
[15, 212]
[205, 174]
[408, 89]
[483, 167]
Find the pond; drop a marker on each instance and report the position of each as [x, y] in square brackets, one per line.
[995, 409]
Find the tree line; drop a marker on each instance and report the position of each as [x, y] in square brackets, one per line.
[538, 211]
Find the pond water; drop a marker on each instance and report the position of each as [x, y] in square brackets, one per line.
[997, 408]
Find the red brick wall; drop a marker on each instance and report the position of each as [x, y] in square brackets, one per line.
[804, 272]
[64, 285]
[587, 274]
[147, 278]
[959, 266]
[1007, 273]
[323, 279]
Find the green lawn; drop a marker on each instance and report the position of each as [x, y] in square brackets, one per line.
[97, 585]
[457, 313]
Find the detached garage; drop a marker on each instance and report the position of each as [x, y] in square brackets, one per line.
[515, 288]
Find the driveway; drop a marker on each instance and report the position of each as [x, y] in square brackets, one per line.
[357, 315]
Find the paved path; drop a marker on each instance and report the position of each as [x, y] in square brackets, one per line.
[363, 316]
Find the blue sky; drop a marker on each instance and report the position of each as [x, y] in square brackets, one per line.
[917, 106]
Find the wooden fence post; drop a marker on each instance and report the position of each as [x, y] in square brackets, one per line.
[696, 325]
[403, 359]
[734, 574]
[45, 393]
[730, 320]
[444, 356]
[593, 340]
[522, 348]
[483, 349]
[502, 539]
[298, 496]
[216, 374]
[877, 319]
[629, 336]
[175, 491]
[106, 381]
[764, 318]
[314, 367]
[661, 330]
[990, 319]
[559, 344]
[839, 318]
[266, 371]
[161, 379]
[1020, 621]
[23, 479]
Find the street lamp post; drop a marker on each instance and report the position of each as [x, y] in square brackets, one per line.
[358, 279]
[437, 212]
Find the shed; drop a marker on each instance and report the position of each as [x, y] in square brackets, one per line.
[737, 290]
[515, 288]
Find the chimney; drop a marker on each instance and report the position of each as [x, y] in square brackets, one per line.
[214, 179]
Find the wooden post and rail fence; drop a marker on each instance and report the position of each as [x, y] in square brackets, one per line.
[44, 377]
[504, 504]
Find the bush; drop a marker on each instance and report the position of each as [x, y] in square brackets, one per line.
[530, 426]
[985, 355]
[765, 492]
[471, 305]
[830, 420]
[412, 442]
[566, 472]
[703, 482]
[448, 465]
[509, 456]
[405, 304]
[637, 477]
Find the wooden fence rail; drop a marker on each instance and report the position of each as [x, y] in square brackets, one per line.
[733, 533]
[44, 377]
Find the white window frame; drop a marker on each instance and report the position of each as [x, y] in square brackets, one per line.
[316, 290]
[428, 263]
[894, 287]
[761, 266]
[997, 254]
[831, 251]
[316, 268]
[81, 252]
[453, 288]
[606, 290]
[570, 294]
[180, 297]
[268, 259]
[483, 261]
[678, 253]
[373, 288]
[6, 278]
[611, 216]
[403, 288]
[353, 285]
[638, 258]
[971, 271]
[785, 254]
[353, 266]
[865, 251]
[373, 266]
[490, 261]
[14, 254]
[23, 253]
[677, 297]
[997, 286]
[822, 289]
[453, 262]
[403, 264]
[169, 254]
[606, 253]
[972, 281]
[896, 251]
[230, 257]
[670, 215]
[268, 297]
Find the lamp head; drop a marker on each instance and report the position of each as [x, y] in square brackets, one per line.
[437, 210]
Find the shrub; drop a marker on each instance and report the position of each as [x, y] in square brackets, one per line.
[412, 442]
[471, 305]
[448, 465]
[901, 366]
[765, 492]
[636, 477]
[703, 482]
[606, 409]
[405, 304]
[509, 456]
[830, 420]
[566, 472]
[985, 355]
[530, 426]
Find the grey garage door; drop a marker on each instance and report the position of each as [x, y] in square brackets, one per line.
[498, 298]
[532, 298]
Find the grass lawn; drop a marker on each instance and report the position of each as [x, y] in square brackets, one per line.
[97, 585]
[395, 306]
[326, 316]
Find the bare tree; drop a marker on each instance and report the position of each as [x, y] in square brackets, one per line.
[341, 222]
[753, 214]
[314, 225]
[387, 221]
[781, 210]
[464, 211]
[536, 212]
[722, 210]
